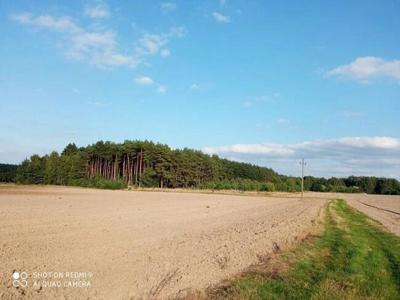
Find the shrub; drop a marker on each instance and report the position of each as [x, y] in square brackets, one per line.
[267, 187]
[100, 183]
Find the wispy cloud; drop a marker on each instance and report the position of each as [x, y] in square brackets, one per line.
[167, 7]
[194, 86]
[152, 44]
[162, 89]
[332, 147]
[261, 99]
[100, 48]
[366, 68]
[351, 114]
[148, 81]
[98, 10]
[144, 80]
[343, 156]
[46, 21]
[220, 17]
[165, 52]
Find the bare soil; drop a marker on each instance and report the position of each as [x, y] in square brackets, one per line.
[385, 209]
[139, 244]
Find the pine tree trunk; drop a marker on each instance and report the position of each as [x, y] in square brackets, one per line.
[137, 169]
[140, 166]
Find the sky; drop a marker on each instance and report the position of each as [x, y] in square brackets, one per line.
[266, 82]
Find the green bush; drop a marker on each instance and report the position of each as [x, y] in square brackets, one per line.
[100, 183]
[267, 187]
[239, 184]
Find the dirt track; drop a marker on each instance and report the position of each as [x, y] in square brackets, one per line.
[138, 244]
[382, 208]
[385, 209]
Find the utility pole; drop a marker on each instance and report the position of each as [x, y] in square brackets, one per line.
[302, 163]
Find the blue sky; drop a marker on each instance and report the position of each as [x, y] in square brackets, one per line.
[260, 81]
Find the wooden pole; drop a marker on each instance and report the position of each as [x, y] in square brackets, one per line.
[302, 163]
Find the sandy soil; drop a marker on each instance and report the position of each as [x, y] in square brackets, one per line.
[382, 208]
[385, 209]
[131, 245]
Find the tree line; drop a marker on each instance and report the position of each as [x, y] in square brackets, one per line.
[354, 184]
[8, 172]
[140, 163]
[148, 164]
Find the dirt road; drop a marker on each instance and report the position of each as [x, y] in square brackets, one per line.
[125, 244]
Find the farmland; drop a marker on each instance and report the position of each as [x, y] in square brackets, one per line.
[147, 244]
[141, 244]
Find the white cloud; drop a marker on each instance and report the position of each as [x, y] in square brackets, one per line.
[152, 44]
[332, 147]
[162, 89]
[97, 11]
[365, 68]
[46, 21]
[194, 86]
[144, 80]
[87, 40]
[100, 47]
[221, 18]
[167, 7]
[378, 156]
[115, 59]
[148, 81]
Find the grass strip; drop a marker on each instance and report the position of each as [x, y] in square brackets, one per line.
[353, 258]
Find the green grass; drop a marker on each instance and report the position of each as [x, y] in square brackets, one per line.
[353, 258]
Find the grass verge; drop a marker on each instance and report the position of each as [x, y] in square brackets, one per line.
[353, 258]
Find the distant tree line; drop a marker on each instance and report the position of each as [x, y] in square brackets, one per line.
[8, 172]
[147, 164]
[353, 184]
[142, 163]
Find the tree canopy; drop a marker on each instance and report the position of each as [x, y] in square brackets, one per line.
[148, 164]
[8, 172]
